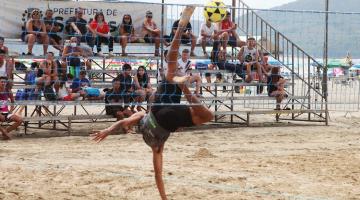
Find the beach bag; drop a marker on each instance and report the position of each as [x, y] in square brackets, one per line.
[30, 78]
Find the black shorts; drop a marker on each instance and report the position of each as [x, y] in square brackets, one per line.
[232, 41]
[185, 40]
[7, 116]
[55, 37]
[181, 116]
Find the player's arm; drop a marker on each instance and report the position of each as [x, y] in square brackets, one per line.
[158, 165]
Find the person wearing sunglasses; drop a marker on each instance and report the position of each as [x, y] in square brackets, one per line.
[127, 33]
[151, 32]
[36, 32]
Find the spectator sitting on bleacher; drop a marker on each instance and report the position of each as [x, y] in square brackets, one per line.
[143, 87]
[218, 59]
[65, 93]
[82, 85]
[52, 28]
[3, 49]
[36, 31]
[77, 27]
[115, 96]
[126, 32]
[163, 70]
[249, 58]
[206, 35]
[71, 56]
[275, 86]
[226, 32]
[126, 87]
[186, 37]
[184, 68]
[6, 115]
[79, 83]
[150, 32]
[101, 31]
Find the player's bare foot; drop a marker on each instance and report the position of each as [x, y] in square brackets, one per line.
[186, 15]
[181, 79]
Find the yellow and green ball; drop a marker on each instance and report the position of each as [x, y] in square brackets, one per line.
[215, 11]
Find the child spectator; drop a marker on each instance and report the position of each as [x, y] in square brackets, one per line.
[36, 31]
[65, 93]
[151, 32]
[6, 114]
[127, 33]
[101, 31]
[276, 86]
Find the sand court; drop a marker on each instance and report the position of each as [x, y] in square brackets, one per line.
[282, 162]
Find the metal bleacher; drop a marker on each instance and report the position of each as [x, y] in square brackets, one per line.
[232, 101]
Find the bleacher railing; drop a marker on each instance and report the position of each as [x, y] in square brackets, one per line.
[305, 72]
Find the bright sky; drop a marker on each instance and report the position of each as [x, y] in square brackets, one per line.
[262, 4]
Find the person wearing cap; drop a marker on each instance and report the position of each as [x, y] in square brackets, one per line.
[151, 32]
[36, 31]
[52, 27]
[186, 37]
[226, 32]
[3, 49]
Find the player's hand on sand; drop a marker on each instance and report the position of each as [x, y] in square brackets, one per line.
[98, 136]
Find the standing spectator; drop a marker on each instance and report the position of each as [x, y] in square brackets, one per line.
[115, 96]
[36, 31]
[276, 86]
[77, 26]
[151, 32]
[101, 31]
[249, 58]
[226, 32]
[6, 114]
[184, 67]
[3, 49]
[52, 28]
[143, 87]
[127, 33]
[71, 56]
[186, 37]
[206, 35]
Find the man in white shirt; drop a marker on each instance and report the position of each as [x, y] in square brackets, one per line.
[206, 35]
[249, 58]
[184, 67]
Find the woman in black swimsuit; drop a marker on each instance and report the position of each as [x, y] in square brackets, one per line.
[36, 31]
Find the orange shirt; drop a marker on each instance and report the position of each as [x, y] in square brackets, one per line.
[101, 29]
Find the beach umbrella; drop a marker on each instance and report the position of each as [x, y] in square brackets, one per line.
[335, 63]
[355, 67]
